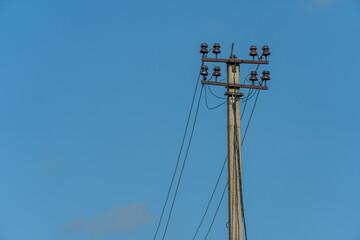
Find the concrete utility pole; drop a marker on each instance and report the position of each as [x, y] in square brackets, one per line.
[234, 159]
[236, 220]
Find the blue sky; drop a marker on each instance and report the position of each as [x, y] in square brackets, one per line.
[94, 98]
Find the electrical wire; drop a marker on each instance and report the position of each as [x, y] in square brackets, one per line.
[216, 212]
[250, 95]
[252, 112]
[212, 108]
[222, 80]
[174, 174]
[238, 177]
[243, 111]
[214, 190]
[242, 142]
[184, 163]
[246, 70]
[239, 170]
[238, 153]
[215, 94]
[179, 154]
[212, 195]
[206, 102]
[257, 67]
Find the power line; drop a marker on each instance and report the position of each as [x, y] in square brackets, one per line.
[212, 195]
[183, 167]
[250, 95]
[238, 153]
[185, 161]
[178, 159]
[216, 212]
[215, 94]
[216, 185]
[245, 78]
[234, 146]
[243, 211]
[206, 102]
[235, 150]
[239, 170]
[243, 111]
[247, 126]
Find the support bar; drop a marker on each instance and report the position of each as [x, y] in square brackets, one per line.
[235, 85]
[231, 60]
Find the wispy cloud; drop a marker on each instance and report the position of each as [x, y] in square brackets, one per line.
[117, 219]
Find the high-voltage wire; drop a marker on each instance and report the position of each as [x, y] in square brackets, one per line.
[178, 158]
[216, 212]
[252, 112]
[207, 105]
[243, 211]
[183, 167]
[212, 195]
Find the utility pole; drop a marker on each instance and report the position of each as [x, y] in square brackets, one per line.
[236, 223]
[234, 160]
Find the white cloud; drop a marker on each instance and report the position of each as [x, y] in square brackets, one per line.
[117, 219]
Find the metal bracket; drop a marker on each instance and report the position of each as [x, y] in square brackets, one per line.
[235, 94]
[234, 85]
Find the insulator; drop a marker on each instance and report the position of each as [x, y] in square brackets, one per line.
[203, 49]
[204, 71]
[265, 76]
[216, 72]
[253, 52]
[216, 49]
[253, 76]
[265, 51]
